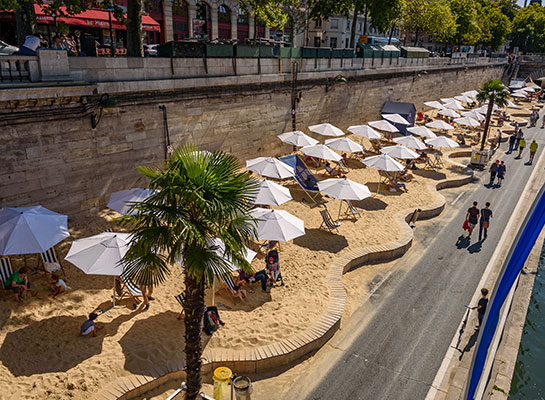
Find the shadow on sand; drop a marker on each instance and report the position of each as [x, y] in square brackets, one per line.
[53, 354]
[322, 240]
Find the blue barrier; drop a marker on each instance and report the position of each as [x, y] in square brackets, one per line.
[521, 247]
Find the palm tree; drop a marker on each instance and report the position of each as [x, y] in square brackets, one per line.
[199, 196]
[495, 92]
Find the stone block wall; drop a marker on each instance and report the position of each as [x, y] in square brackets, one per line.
[69, 167]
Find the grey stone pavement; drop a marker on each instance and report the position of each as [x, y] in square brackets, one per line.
[393, 345]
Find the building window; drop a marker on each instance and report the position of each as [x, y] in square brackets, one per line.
[359, 27]
[334, 24]
[333, 42]
[154, 6]
[347, 43]
[317, 41]
[242, 18]
[180, 8]
[318, 23]
[224, 14]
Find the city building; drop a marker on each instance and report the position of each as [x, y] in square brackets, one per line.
[163, 21]
[335, 32]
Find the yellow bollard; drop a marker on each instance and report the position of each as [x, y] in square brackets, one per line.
[222, 375]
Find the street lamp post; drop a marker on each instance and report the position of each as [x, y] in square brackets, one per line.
[294, 95]
[112, 43]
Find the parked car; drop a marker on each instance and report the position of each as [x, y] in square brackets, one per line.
[150, 50]
[7, 49]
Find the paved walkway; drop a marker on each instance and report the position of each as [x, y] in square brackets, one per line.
[393, 345]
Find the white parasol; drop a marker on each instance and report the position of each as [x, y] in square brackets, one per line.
[271, 167]
[326, 130]
[297, 138]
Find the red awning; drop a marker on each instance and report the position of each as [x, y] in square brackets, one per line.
[93, 19]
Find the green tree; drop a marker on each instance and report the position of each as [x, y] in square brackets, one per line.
[529, 29]
[428, 17]
[199, 196]
[495, 93]
[467, 23]
[494, 25]
[383, 13]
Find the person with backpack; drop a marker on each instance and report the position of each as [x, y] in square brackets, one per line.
[472, 217]
[212, 320]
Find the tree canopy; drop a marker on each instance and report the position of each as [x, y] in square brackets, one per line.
[529, 29]
[430, 17]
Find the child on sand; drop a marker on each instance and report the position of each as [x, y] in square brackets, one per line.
[57, 285]
[275, 270]
[89, 327]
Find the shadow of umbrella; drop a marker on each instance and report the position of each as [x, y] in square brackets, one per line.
[155, 341]
[320, 239]
[50, 345]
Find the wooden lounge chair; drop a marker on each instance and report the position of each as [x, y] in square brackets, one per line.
[5, 270]
[50, 262]
[328, 222]
[391, 182]
[227, 286]
[352, 209]
[126, 288]
[181, 299]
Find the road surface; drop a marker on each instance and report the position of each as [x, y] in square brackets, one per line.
[393, 345]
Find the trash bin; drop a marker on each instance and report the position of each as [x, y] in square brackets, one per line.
[479, 158]
[243, 388]
[221, 378]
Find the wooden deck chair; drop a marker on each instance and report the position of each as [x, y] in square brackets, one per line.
[181, 299]
[328, 222]
[352, 209]
[343, 166]
[438, 160]
[227, 285]
[126, 288]
[5, 270]
[50, 262]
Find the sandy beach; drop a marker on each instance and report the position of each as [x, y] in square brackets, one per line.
[42, 355]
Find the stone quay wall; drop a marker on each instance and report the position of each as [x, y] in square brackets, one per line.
[52, 156]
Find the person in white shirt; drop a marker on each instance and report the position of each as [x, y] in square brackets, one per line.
[29, 47]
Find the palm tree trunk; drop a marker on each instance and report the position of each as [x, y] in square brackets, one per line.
[194, 310]
[487, 122]
[134, 29]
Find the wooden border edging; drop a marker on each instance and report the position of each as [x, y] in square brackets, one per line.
[286, 351]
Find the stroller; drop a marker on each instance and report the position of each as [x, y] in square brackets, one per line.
[274, 254]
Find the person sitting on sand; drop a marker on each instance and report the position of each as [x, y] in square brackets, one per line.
[275, 270]
[89, 327]
[261, 276]
[57, 285]
[404, 175]
[18, 283]
[239, 292]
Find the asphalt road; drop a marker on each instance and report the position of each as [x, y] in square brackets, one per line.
[393, 345]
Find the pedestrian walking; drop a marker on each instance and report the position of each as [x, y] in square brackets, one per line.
[522, 145]
[518, 136]
[493, 171]
[481, 307]
[512, 140]
[472, 217]
[502, 169]
[484, 221]
[533, 150]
